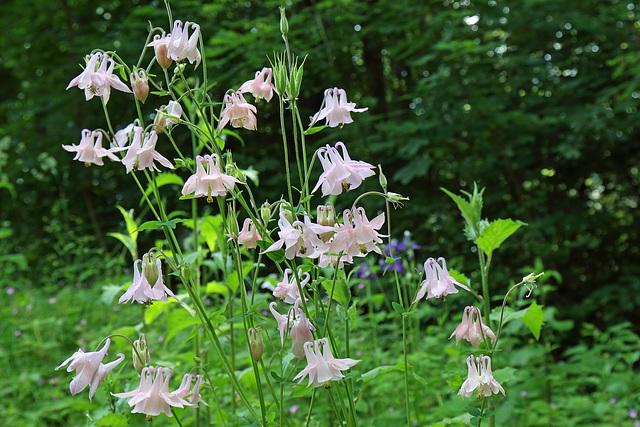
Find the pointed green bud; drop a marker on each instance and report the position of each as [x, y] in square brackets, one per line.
[382, 177]
[140, 353]
[288, 210]
[265, 213]
[232, 223]
[284, 24]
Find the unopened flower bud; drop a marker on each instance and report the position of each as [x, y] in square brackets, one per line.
[326, 215]
[140, 84]
[288, 210]
[162, 51]
[284, 24]
[232, 223]
[256, 343]
[265, 213]
[150, 268]
[383, 178]
[140, 353]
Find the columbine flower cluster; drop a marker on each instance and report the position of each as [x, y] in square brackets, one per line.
[322, 367]
[152, 397]
[340, 173]
[97, 79]
[480, 378]
[336, 109]
[210, 183]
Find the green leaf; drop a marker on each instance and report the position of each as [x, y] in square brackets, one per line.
[473, 411]
[164, 178]
[534, 318]
[465, 209]
[398, 308]
[497, 232]
[210, 230]
[113, 420]
[314, 129]
[341, 291]
[179, 320]
[368, 376]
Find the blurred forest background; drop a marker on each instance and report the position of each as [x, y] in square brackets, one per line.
[535, 100]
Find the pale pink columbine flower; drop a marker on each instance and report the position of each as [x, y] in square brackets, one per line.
[340, 173]
[472, 328]
[337, 111]
[154, 398]
[296, 324]
[166, 116]
[142, 154]
[124, 136]
[249, 235]
[356, 236]
[239, 112]
[210, 183]
[141, 289]
[288, 290]
[260, 86]
[90, 149]
[97, 80]
[90, 370]
[177, 45]
[480, 378]
[300, 239]
[192, 394]
[322, 367]
[438, 282]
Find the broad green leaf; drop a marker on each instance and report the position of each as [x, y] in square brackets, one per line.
[130, 222]
[398, 308]
[210, 230]
[341, 291]
[465, 209]
[368, 376]
[534, 318]
[459, 277]
[497, 232]
[113, 420]
[179, 320]
[217, 287]
[128, 242]
[164, 178]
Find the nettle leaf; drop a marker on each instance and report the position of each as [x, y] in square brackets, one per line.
[534, 318]
[465, 208]
[497, 232]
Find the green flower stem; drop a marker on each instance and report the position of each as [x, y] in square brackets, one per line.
[294, 129]
[175, 417]
[313, 400]
[284, 145]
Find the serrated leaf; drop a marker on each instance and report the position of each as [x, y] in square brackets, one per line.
[465, 208]
[534, 318]
[497, 232]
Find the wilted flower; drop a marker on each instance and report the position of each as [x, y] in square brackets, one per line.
[90, 149]
[472, 328]
[142, 154]
[260, 86]
[210, 183]
[337, 111]
[438, 282]
[340, 173]
[288, 289]
[238, 111]
[98, 80]
[322, 367]
[153, 397]
[480, 378]
[140, 289]
[90, 370]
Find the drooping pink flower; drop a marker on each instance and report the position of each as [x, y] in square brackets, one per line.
[177, 45]
[472, 328]
[282, 320]
[153, 398]
[296, 324]
[340, 173]
[141, 289]
[167, 116]
[142, 154]
[90, 150]
[300, 238]
[239, 112]
[98, 80]
[210, 183]
[249, 235]
[438, 282]
[260, 86]
[190, 394]
[288, 290]
[337, 111]
[90, 370]
[322, 367]
[479, 378]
